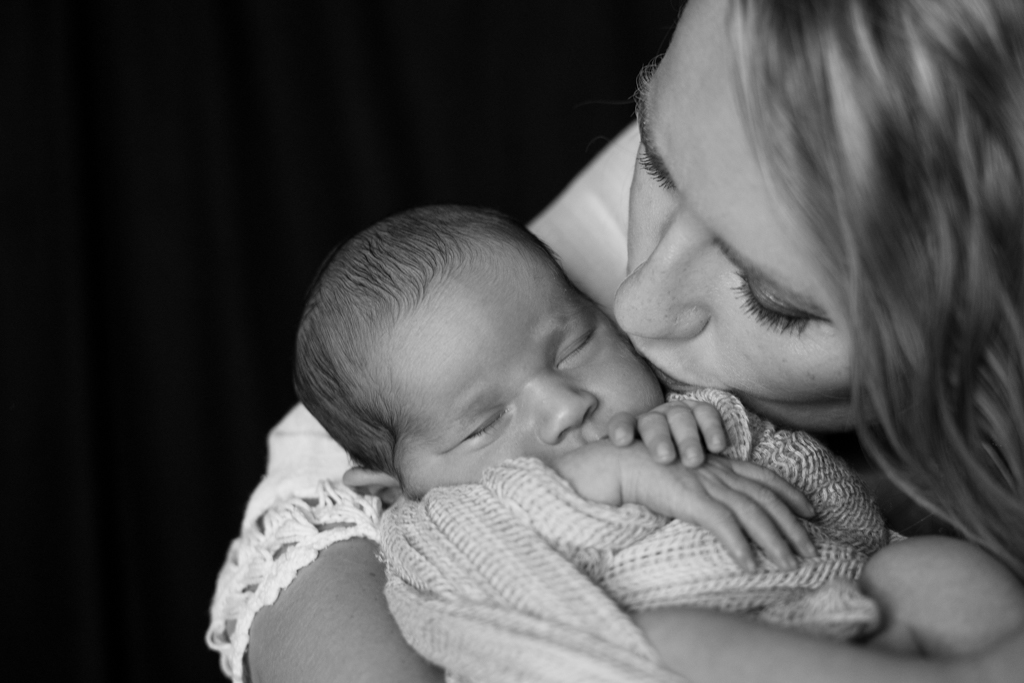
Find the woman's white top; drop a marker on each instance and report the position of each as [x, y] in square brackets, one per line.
[301, 507]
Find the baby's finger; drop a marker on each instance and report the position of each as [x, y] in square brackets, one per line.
[682, 496]
[791, 495]
[622, 429]
[656, 435]
[686, 434]
[756, 522]
[706, 512]
[779, 513]
[711, 428]
[724, 526]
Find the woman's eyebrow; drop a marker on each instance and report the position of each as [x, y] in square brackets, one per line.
[643, 93]
[755, 274]
[655, 161]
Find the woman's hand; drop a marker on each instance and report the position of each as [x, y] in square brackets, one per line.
[677, 428]
[731, 499]
[704, 645]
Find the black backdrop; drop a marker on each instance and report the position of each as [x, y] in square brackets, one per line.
[170, 177]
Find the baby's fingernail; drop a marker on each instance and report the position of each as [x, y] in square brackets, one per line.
[664, 452]
[808, 550]
[619, 436]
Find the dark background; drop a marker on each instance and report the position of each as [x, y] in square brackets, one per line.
[170, 177]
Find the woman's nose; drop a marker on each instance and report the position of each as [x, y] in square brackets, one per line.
[560, 408]
[664, 294]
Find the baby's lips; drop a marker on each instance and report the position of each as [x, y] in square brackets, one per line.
[593, 432]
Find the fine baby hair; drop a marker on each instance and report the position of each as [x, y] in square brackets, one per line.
[362, 290]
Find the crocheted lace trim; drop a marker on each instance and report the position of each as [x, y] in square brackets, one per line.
[264, 560]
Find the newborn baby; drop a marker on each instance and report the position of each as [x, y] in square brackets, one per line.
[447, 352]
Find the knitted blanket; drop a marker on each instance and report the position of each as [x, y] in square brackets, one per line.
[519, 579]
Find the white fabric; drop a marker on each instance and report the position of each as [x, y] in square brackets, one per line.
[586, 224]
[301, 507]
[300, 453]
[267, 555]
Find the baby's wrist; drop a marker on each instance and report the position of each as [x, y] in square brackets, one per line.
[593, 472]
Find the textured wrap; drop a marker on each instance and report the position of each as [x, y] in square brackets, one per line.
[519, 579]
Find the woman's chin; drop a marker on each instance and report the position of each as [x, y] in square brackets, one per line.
[811, 416]
[671, 384]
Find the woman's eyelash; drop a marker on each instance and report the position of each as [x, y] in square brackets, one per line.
[655, 170]
[773, 320]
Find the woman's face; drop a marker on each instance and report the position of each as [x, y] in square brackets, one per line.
[723, 287]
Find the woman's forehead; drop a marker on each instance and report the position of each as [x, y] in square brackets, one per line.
[694, 121]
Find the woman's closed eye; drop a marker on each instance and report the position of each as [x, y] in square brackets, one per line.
[775, 315]
[655, 167]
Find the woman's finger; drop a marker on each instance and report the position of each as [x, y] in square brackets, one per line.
[656, 435]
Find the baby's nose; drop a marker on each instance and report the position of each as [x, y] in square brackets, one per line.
[562, 409]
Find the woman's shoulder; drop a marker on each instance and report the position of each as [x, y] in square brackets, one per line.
[332, 623]
[286, 537]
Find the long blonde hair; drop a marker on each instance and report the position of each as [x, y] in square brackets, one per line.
[897, 129]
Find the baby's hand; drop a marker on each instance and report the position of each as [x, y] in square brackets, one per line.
[671, 429]
[738, 502]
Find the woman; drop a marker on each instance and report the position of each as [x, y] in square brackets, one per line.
[826, 218]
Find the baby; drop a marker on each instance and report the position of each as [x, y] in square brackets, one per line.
[445, 349]
[445, 340]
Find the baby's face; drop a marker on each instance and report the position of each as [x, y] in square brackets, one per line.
[504, 361]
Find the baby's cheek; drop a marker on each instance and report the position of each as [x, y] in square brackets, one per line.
[638, 388]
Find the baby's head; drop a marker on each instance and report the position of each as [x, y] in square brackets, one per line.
[443, 340]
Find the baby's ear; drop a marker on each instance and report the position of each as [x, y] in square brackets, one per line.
[372, 483]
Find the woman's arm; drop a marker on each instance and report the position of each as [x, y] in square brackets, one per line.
[721, 648]
[332, 624]
[939, 596]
